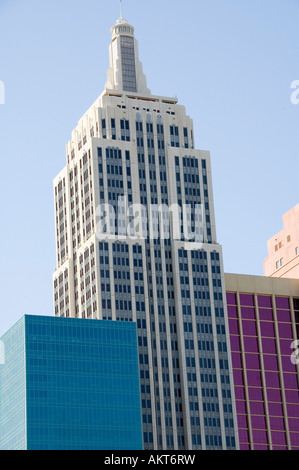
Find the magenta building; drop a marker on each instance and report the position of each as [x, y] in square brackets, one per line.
[263, 315]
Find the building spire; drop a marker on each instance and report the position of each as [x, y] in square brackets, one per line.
[121, 19]
[125, 71]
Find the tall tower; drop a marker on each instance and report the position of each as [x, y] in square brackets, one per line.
[136, 241]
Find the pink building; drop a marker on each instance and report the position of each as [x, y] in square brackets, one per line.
[283, 248]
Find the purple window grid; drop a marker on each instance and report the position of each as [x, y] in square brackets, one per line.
[242, 422]
[293, 410]
[264, 301]
[285, 347]
[282, 302]
[243, 435]
[253, 378]
[260, 437]
[277, 424]
[270, 362]
[248, 313]
[287, 365]
[290, 381]
[292, 396]
[232, 311]
[233, 327]
[244, 447]
[236, 360]
[274, 395]
[294, 437]
[250, 344]
[285, 331]
[272, 379]
[293, 424]
[252, 361]
[249, 328]
[275, 409]
[238, 377]
[269, 356]
[255, 394]
[283, 316]
[267, 329]
[265, 314]
[239, 393]
[278, 438]
[235, 343]
[241, 407]
[257, 408]
[258, 422]
[231, 298]
[269, 346]
[247, 300]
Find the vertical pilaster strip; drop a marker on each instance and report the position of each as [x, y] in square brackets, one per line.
[196, 356]
[216, 352]
[264, 386]
[282, 388]
[247, 404]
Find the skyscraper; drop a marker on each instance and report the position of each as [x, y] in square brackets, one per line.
[136, 241]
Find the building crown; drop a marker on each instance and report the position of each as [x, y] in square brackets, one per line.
[125, 73]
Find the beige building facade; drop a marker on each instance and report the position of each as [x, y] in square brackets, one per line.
[132, 145]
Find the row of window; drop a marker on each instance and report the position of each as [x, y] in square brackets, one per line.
[125, 127]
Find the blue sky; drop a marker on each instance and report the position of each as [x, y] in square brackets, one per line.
[230, 62]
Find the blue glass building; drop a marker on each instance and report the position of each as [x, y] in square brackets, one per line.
[70, 384]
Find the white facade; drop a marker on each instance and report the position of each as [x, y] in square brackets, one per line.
[134, 144]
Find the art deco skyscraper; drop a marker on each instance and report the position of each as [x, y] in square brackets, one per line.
[134, 149]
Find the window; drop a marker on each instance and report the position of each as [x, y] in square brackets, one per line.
[113, 132]
[297, 250]
[128, 63]
[125, 129]
[186, 142]
[104, 128]
[281, 262]
[174, 136]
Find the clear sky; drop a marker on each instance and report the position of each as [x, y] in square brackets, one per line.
[230, 62]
